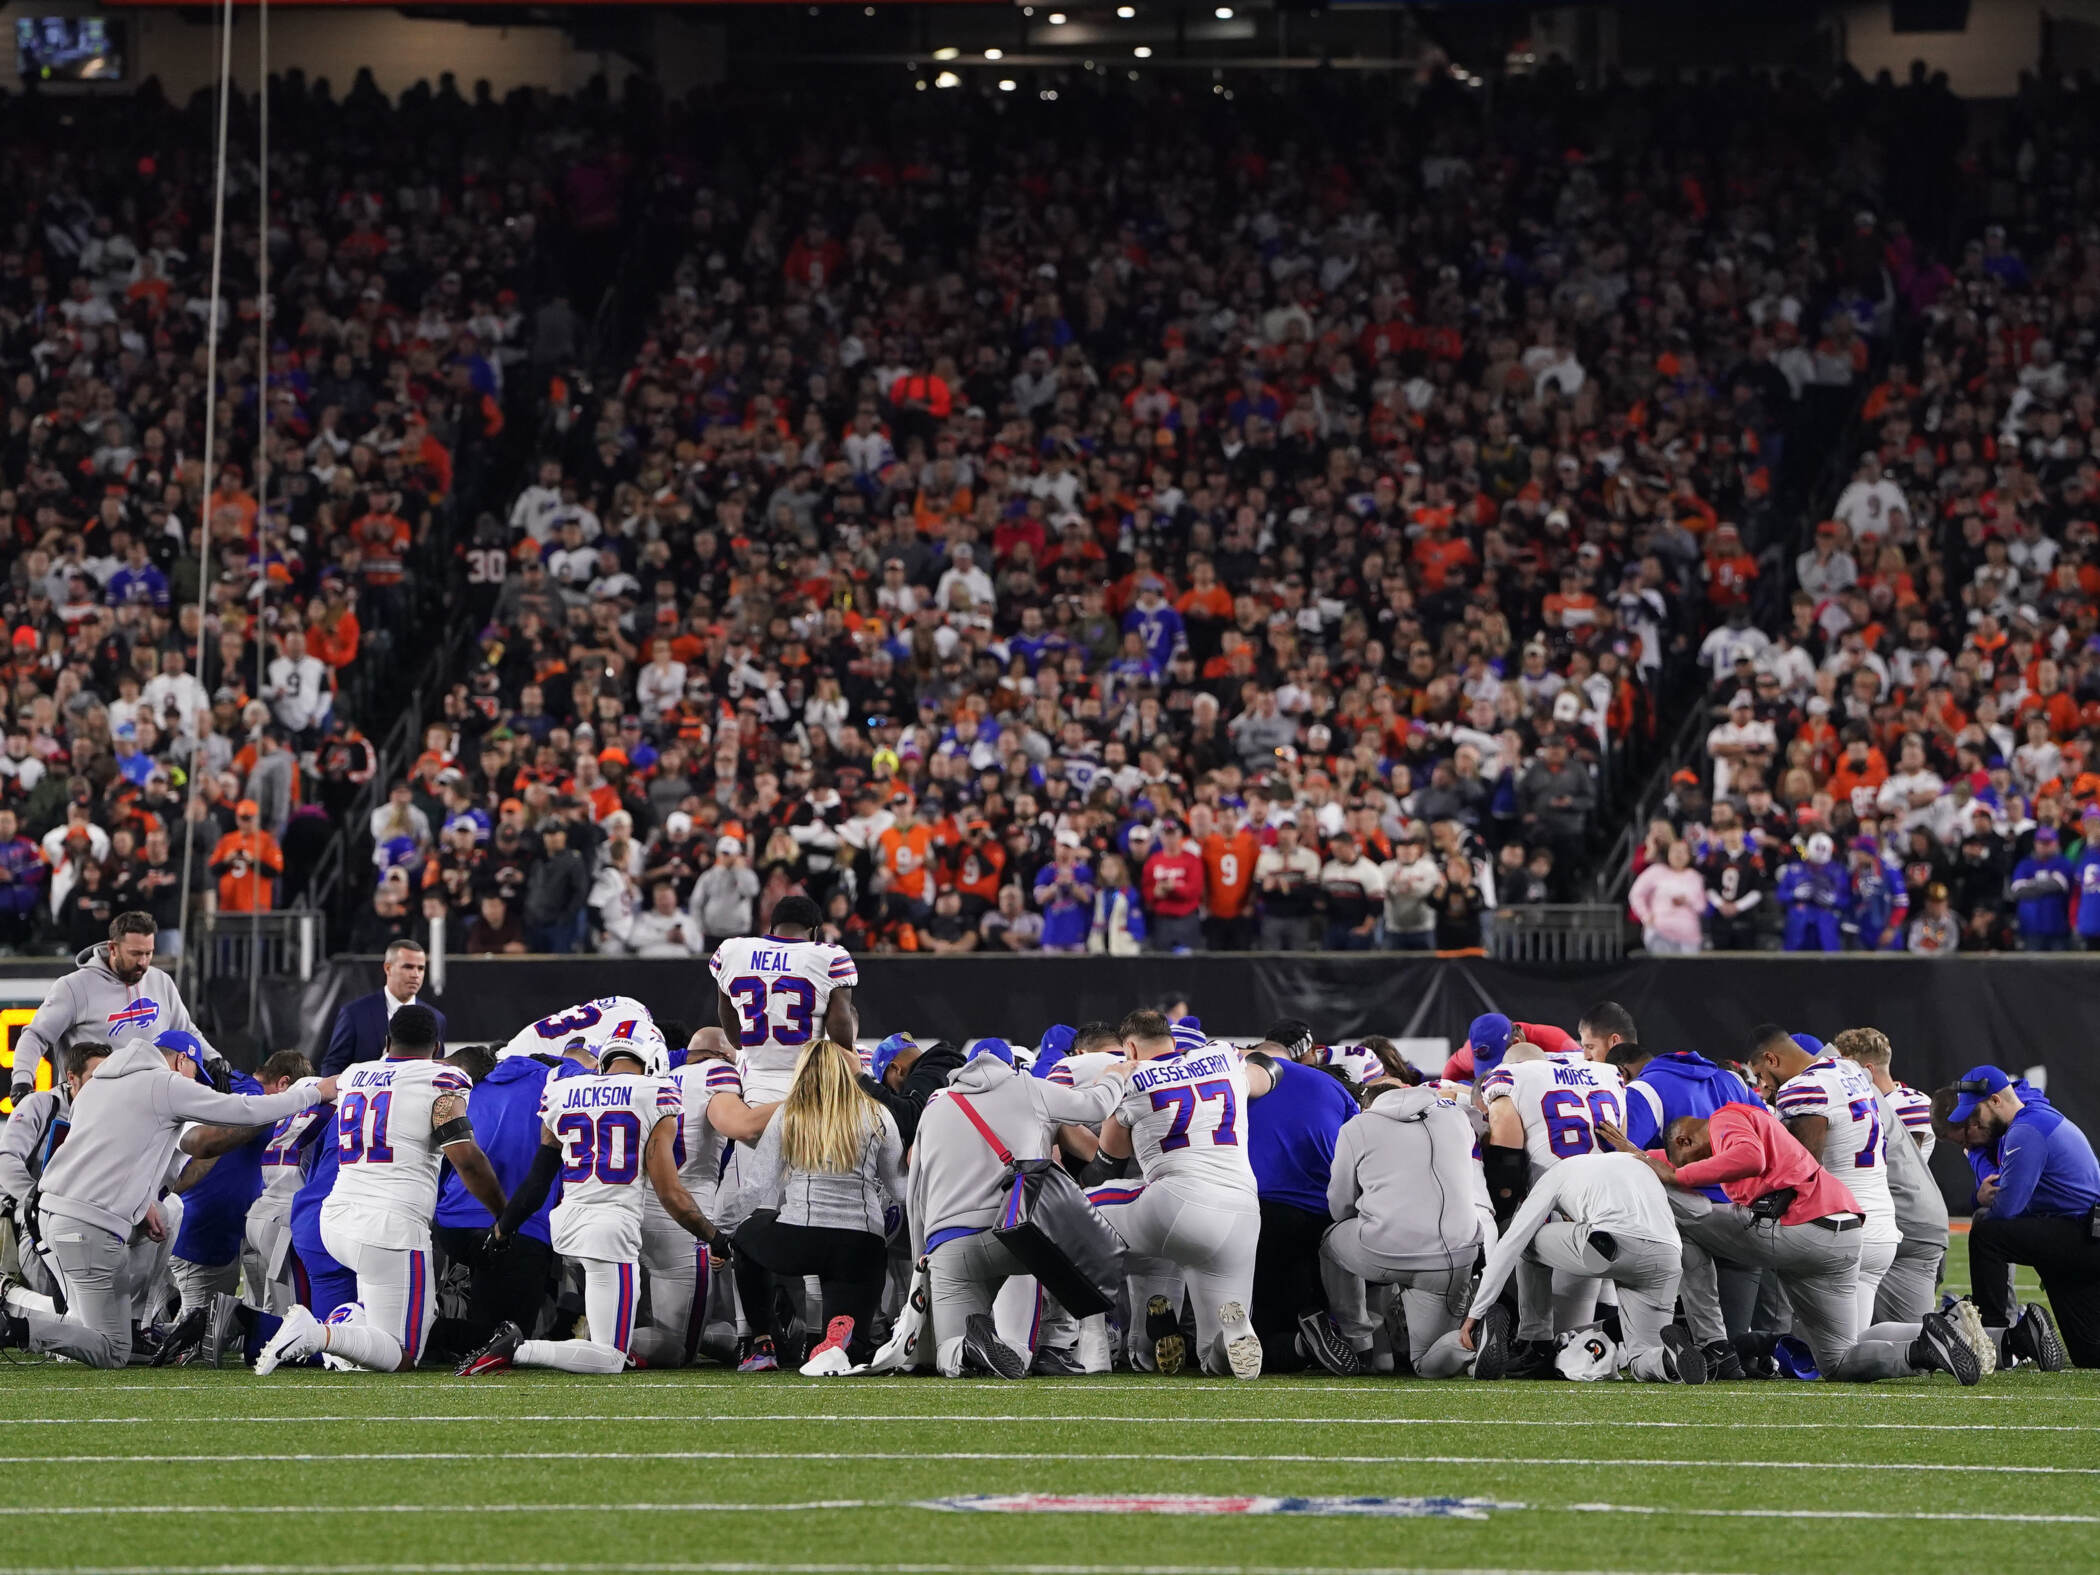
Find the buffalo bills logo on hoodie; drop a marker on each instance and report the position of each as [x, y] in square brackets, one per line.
[139, 1014]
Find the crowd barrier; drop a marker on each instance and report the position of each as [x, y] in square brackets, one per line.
[2026, 1014]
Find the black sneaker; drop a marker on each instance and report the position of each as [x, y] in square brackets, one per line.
[1163, 1329]
[1327, 1347]
[1754, 1351]
[1683, 1360]
[495, 1356]
[1722, 1364]
[185, 1339]
[984, 1351]
[1050, 1362]
[1491, 1343]
[1939, 1348]
[1533, 1359]
[2033, 1337]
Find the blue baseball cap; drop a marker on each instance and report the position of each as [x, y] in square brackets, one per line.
[180, 1041]
[1055, 1046]
[1976, 1085]
[997, 1049]
[1810, 1045]
[1490, 1035]
[886, 1052]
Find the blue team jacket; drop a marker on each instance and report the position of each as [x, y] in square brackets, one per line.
[215, 1210]
[1673, 1086]
[505, 1110]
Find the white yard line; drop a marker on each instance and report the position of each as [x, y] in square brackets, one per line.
[1821, 1514]
[462, 1418]
[1066, 1456]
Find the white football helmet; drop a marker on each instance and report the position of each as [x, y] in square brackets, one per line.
[655, 1059]
[1587, 1355]
[1820, 850]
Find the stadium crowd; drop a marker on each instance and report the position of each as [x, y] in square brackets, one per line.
[1010, 572]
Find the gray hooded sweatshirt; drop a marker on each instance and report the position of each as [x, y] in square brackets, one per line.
[28, 1141]
[1405, 1166]
[1921, 1208]
[956, 1179]
[126, 1123]
[93, 1003]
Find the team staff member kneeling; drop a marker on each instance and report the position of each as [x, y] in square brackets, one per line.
[102, 1185]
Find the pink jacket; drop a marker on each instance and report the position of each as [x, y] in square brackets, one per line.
[1669, 902]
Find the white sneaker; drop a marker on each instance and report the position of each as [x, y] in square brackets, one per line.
[831, 1362]
[1242, 1345]
[298, 1339]
[1968, 1323]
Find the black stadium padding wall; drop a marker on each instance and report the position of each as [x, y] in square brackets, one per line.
[1942, 1016]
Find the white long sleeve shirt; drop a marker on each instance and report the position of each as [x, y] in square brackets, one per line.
[1615, 1193]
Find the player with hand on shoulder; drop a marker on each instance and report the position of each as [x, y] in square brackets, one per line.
[397, 1121]
[1541, 1111]
[606, 1137]
[1183, 1120]
[1833, 1110]
[779, 993]
[269, 1223]
[713, 1117]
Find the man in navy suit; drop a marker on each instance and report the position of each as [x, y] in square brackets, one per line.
[360, 1025]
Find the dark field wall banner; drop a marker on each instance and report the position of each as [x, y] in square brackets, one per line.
[2033, 1016]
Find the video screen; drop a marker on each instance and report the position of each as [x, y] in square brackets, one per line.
[69, 49]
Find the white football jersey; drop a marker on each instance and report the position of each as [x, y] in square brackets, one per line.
[1083, 1071]
[699, 1148]
[1187, 1116]
[1916, 1110]
[781, 989]
[1854, 1144]
[597, 1023]
[603, 1125]
[1559, 1102]
[387, 1156]
[281, 1156]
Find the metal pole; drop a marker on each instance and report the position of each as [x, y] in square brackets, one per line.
[262, 441]
[211, 411]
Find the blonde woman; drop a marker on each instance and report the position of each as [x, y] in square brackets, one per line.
[828, 1169]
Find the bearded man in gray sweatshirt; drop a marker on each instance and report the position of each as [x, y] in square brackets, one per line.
[959, 1184]
[102, 1186]
[115, 994]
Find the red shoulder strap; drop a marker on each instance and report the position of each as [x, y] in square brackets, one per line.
[963, 1104]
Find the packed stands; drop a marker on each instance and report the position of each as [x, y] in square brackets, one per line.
[1139, 520]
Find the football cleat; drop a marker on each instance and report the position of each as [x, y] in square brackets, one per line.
[1492, 1343]
[1163, 1329]
[298, 1338]
[1534, 1359]
[1242, 1344]
[1050, 1362]
[495, 1356]
[1940, 1347]
[222, 1330]
[1324, 1343]
[2033, 1338]
[186, 1338]
[1683, 1361]
[1722, 1364]
[1968, 1323]
[829, 1359]
[985, 1352]
[760, 1358]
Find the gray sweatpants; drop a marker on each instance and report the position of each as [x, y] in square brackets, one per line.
[963, 1277]
[1646, 1274]
[1819, 1270]
[97, 1266]
[1909, 1289]
[1433, 1301]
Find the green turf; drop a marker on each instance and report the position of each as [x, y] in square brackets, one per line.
[707, 1471]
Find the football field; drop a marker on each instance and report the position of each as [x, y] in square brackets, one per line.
[305, 1471]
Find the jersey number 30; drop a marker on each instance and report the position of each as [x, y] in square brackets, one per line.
[609, 1148]
[755, 1007]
